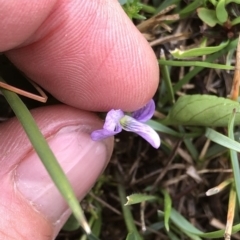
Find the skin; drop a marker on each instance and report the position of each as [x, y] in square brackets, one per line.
[91, 57]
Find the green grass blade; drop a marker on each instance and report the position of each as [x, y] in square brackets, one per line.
[186, 226]
[222, 140]
[162, 128]
[182, 223]
[138, 198]
[184, 63]
[166, 78]
[234, 158]
[199, 51]
[46, 155]
[196, 70]
[189, 145]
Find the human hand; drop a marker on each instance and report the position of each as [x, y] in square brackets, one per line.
[88, 55]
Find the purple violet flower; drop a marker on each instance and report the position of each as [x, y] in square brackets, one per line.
[116, 121]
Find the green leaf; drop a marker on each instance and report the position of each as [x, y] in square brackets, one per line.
[236, 21]
[182, 223]
[71, 225]
[221, 12]
[222, 139]
[132, 236]
[167, 208]
[184, 63]
[208, 16]
[190, 8]
[234, 1]
[234, 157]
[202, 110]
[192, 73]
[186, 226]
[138, 198]
[200, 51]
[167, 79]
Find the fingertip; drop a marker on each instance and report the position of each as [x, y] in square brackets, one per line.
[93, 61]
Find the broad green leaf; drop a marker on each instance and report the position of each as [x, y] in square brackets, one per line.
[138, 198]
[208, 16]
[202, 110]
[200, 51]
[221, 12]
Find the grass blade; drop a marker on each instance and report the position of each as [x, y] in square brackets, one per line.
[46, 155]
[222, 140]
[234, 157]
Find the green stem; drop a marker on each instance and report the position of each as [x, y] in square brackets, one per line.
[128, 218]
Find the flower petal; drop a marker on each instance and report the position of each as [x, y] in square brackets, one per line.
[145, 131]
[101, 134]
[145, 113]
[112, 122]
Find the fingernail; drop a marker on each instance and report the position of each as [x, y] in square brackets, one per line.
[82, 160]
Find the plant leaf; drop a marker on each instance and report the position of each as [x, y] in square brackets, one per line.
[167, 208]
[199, 51]
[203, 110]
[221, 12]
[138, 198]
[132, 236]
[208, 16]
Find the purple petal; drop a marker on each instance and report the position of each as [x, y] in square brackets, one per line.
[145, 113]
[111, 126]
[101, 134]
[112, 122]
[131, 125]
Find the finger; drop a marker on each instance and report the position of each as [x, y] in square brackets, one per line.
[27, 190]
[88, 54]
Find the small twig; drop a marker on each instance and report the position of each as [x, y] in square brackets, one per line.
[164, 171]
[158, 19]
[105, 204]
[230, 214]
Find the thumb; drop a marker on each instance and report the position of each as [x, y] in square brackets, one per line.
[27, 190]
